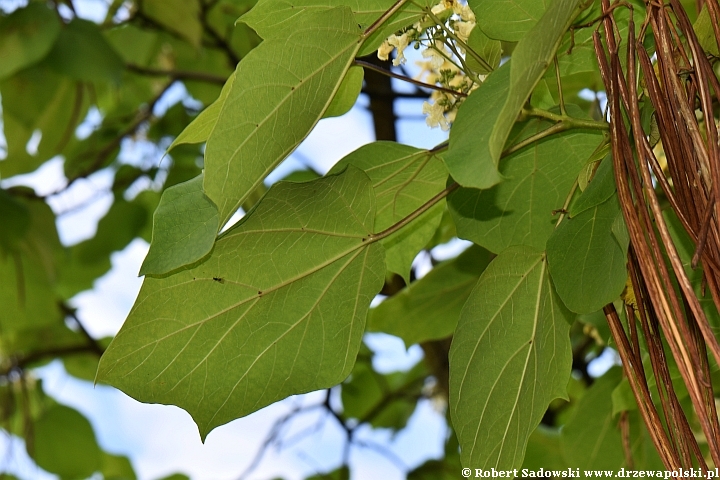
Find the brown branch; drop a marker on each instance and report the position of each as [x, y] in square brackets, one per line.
[177, 74]
[389, 73]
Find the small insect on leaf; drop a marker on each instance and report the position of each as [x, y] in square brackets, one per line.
[219, 280]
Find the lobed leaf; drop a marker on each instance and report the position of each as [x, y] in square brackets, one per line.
[184, 228]
[281, 89]
[510, 357]
[278, 308]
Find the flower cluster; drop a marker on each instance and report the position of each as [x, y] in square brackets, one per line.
[443, 52]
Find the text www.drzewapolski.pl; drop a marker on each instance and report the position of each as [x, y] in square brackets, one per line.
[577, 473]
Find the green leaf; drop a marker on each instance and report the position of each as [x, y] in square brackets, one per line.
[598, 190]
[530, 59]
[82, 53]
[429, 308]
[488, 49]
[273, 18]
[404, 178]
[705, 33]
[347, 93]
[591, 439]
[543, 450]
[179, 16]
[282, 88]
[623, 398]
[117, 467]
[509, 358]
[115, 231]
[134, 44]
[576, 54]
[402, 247]
[26, 36]
[485, 119]
[686, 249]
[519, 211]
[184, 228]
[27, 275]
[38, 99]
[16, 221]
[342, 473]
[176, 476]
[199, 130]
[277, 309]
[507, 20]
[586, 262]
[84, 365]
[383, 401]
[468, 158]
[64, 443]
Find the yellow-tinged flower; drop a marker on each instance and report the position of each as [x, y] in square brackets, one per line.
[463, 29]
[401, 44]
[384, 50]
[464, 12]
[435, 116]
[435, 58]
[439, 8]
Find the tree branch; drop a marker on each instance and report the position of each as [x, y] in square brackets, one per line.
[389, 73]
[177, 74]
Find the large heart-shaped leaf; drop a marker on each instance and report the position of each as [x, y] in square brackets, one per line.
[278, 308]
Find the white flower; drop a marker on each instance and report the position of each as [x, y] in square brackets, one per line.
[437, 9]
[384, 50]
[435, 58]
[400, 43]
[435, 116]
[463, 29]
[464, 12]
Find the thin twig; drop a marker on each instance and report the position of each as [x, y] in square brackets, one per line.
[177, 74]
[389, 73]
